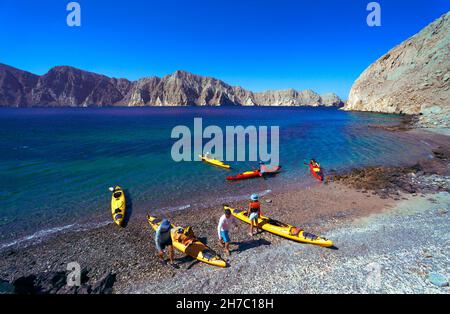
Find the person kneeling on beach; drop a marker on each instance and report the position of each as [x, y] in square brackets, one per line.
[253, 213]
[163, 239]
[223, 229]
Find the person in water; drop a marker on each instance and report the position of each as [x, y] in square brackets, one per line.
[314, 163]
[223, 229]
[163, 240]
[254, 211]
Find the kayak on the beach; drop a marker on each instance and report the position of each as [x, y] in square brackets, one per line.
[214, 162]
[254, 174]
[118, 205]
[281, 229]
[190, 246]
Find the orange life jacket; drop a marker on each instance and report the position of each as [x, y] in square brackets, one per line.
[255, 207]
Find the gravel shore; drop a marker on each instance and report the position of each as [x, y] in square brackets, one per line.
[390, 252]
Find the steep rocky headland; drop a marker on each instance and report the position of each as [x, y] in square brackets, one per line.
[412, 78]
[68, 86]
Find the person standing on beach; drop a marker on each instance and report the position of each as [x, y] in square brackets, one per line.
[163, 239]
[254, 211]
[223, 229]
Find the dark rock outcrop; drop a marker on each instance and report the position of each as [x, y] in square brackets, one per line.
[56, 283]
[68, 86]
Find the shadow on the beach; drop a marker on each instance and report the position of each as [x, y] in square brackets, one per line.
[187, 259]
[334, 248]
[248, 245]
[129, 208]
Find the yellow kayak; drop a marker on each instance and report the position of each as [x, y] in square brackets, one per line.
[118, 205]
[214, 162]
[192, 247]
[282, 229]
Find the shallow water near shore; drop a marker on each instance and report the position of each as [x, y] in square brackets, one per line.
[57, 164]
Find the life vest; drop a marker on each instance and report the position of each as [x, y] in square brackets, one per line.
[185, 236]
[255, 207]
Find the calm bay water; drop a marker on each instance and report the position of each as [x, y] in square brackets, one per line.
[56, 164]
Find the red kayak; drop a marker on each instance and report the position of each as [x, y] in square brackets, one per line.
[253, 174]
[316, 172]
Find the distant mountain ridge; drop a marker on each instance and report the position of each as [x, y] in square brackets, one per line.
[67, 86]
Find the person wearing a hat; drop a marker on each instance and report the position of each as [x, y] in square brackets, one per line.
[254, 211]
[163, 239]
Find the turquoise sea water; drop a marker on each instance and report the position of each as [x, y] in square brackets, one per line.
[56, 164]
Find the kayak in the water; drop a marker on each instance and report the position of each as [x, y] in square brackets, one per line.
[316, 172]
[245, 175]
[214, 162]
[281, 229]
[188, 244]
[118, 205]
[316, 169]
[255, 173]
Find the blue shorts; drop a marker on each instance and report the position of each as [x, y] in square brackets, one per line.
[225, 236]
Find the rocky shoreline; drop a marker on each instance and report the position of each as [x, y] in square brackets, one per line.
[121, 260]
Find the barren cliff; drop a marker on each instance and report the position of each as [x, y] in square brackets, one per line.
[412, 78]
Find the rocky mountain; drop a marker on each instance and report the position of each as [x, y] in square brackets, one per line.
[73, 87]
[16, 86]
[68, 86]
[412, 78]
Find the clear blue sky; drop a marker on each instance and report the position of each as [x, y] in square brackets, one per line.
[319, 44]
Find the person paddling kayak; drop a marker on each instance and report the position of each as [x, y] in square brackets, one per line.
[314, 163]
[163, 239]
[223, 229]
[316, 169]
[254, 211]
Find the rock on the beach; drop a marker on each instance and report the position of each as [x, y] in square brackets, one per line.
[56, 283]
[45, 283]
[104, 285]
[438, 279]
[6, 287]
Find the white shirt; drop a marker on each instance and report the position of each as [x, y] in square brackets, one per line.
[225, 223]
